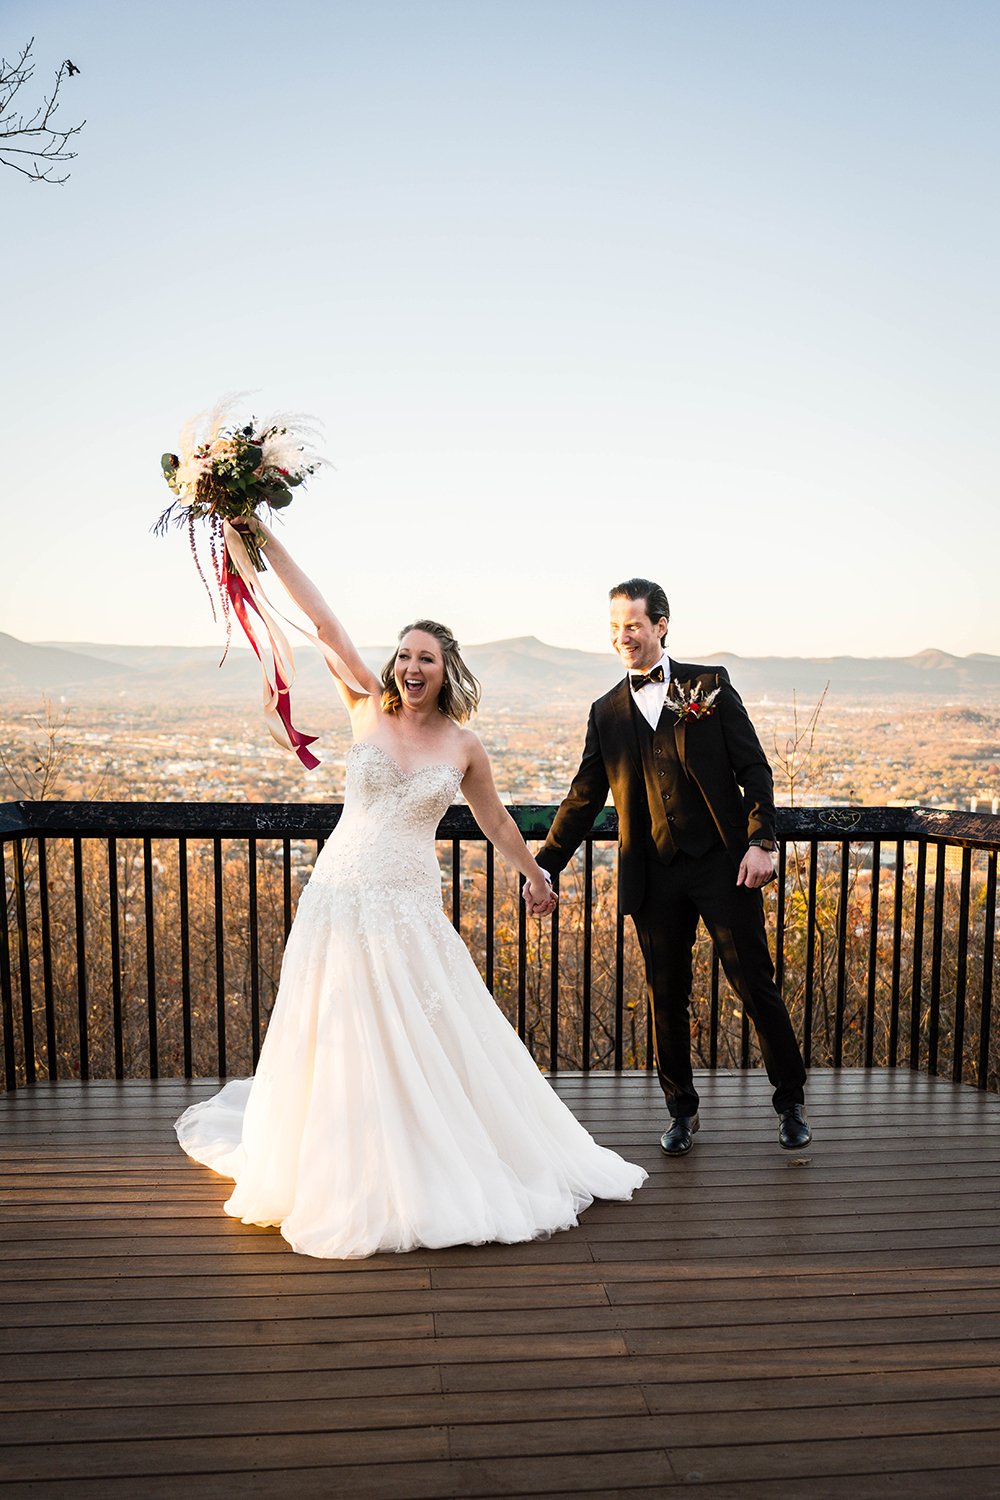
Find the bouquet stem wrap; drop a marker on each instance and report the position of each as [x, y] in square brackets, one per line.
[259, 620]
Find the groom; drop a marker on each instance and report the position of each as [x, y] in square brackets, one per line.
[695, 803]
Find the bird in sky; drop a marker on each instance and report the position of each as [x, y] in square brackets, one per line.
[71, 68]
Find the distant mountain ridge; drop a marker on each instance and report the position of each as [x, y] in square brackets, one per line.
[928, 673]
[519, 671]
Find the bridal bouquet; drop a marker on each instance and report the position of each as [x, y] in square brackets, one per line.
[229, 472]
[226, 472]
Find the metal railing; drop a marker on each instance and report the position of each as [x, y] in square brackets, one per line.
[144, 939]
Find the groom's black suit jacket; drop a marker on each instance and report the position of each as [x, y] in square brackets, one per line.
[719, 756]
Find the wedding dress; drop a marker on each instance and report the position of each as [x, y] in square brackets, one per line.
[393, 1104]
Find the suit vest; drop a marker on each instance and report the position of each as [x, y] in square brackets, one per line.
[679, 818]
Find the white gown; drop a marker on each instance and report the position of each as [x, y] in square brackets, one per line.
[393, 1104]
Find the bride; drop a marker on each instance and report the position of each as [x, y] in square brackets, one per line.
[393, 1104]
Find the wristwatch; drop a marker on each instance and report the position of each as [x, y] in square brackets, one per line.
[768, 845]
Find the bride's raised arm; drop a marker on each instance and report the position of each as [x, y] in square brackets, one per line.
[328, 628]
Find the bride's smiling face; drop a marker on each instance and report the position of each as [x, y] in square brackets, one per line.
[419, 670]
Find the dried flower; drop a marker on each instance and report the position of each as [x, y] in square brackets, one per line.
[227, 471]
[695, 703]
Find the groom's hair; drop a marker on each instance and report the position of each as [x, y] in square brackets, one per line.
[657, 607]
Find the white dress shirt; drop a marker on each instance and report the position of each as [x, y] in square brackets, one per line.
[650, 699]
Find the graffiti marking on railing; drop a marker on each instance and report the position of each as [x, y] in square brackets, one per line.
[836, 817]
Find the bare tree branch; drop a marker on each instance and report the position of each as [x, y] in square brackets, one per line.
[34, 768]
[39, 138]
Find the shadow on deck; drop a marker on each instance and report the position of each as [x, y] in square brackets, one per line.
[755, 1323]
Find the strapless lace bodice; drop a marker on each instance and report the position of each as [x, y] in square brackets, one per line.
[381, 854]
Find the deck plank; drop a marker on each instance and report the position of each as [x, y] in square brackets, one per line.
[824, 1322]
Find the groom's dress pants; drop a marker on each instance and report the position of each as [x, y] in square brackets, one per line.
[677, 894]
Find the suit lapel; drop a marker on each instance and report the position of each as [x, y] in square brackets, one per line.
[621, 699]
[680, 679]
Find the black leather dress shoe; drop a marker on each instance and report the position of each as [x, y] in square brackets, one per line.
[793, 1128]
[680, 1137]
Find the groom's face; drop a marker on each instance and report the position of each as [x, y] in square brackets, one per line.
[637, 639]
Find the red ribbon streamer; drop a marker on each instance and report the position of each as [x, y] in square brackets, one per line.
[241, 599]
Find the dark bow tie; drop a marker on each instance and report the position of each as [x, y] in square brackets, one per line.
[640, 679]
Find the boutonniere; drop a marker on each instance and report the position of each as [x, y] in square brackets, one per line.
[694, 703]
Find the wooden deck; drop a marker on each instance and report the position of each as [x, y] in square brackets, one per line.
[755, 1323]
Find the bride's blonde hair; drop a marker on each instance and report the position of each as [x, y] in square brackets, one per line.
[460, 692]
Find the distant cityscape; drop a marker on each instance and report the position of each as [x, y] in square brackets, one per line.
[927, 754]
[123, 723]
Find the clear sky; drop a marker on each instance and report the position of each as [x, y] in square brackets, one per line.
[700, 289]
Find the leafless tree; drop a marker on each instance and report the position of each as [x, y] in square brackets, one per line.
[34, 769]
[34, 138]
[793, 756]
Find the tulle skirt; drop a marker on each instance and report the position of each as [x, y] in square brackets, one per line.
[394, 1105]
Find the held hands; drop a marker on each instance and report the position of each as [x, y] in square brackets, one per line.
[756, 869]
[539, 897]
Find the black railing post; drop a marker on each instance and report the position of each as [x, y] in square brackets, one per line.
[51, 1043]
[456, 884]
[807, 1020]
[286, 884]
[183, 902]
[24, 963]
[490, 915]
[522, 970]
[916, 987]
[713, 1013]
[841, 990]
[934, 1018]
[961, 969]
[254, 951]
[873, 904]
[82, 1000]
[588, 949]
[114, 935]
[220, 957]
[897, 953]
[779, 917]
[147, 897]
[554, 987]
[986, 999]
[6, 988]
[619, 989]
